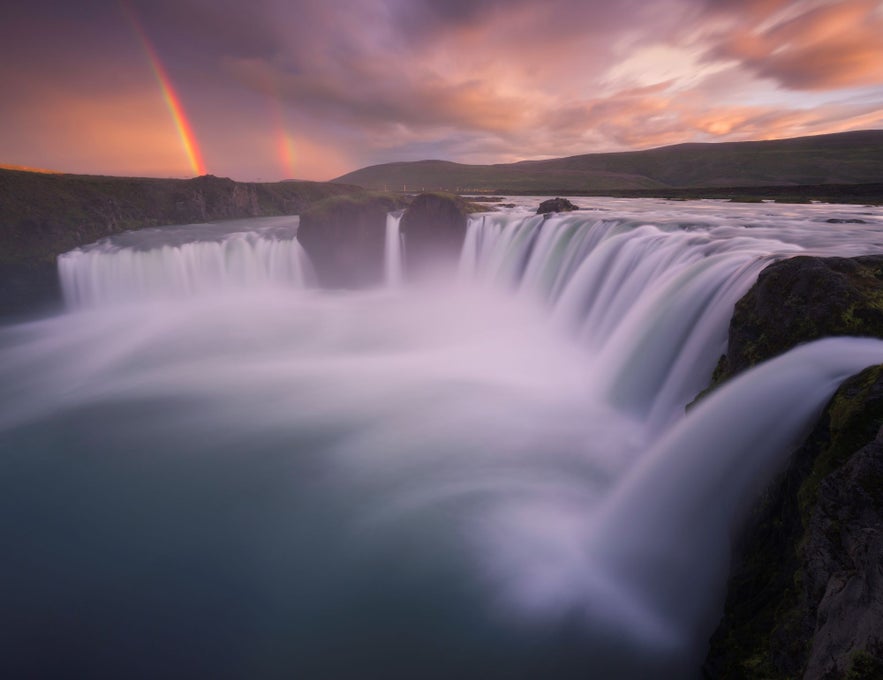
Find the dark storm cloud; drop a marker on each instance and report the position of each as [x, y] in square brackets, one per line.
[365, 69]
[544, 21]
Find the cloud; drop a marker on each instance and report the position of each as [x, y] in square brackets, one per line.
[828, 46]
[419, 100]
[474, 81]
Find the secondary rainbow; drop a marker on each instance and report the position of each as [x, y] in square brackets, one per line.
[284, 142]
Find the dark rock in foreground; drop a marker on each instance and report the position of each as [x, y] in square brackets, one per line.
[434, 226]
[805, 597]
[555, 205]
[345, 236]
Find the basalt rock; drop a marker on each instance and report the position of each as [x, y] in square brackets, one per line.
[43, 215]
[434, 227]
[345, 236]
[555, 205]
[803, 299]
[805, 597]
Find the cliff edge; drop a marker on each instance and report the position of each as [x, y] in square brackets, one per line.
[44, 215]
[805, 598]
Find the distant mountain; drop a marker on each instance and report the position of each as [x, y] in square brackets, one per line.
[843, 158]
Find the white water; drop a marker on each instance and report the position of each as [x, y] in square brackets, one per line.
[393, 257]
[649, 287]
[489, 479]
[200, 259]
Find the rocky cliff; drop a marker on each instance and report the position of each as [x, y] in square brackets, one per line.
[434, 226]
[43, 215]
[806, 594]
[345, 236]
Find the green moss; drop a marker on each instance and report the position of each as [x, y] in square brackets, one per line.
[864, 666]
[855, 416]
[330, 207]
[872, 484]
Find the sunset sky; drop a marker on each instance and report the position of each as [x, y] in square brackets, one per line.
[273, 89]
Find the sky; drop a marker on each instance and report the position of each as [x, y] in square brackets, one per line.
[263, 90]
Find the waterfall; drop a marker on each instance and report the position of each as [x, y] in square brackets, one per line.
[652, 303]
[168, 263]
[680, 505]
[393, 255]
[493, 477]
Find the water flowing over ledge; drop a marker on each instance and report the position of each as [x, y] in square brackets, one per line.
[649, 293]
[496, 471]
[393, 262]
[185, 261]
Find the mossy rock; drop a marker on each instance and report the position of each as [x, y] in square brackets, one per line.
[557, 204]
[865, 665]
[803, 299]
[831, 492]
[434, 227]
[345, 238]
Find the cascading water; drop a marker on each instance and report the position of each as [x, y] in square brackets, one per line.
[192, 260]
[489, 479]
[651, 301]
[393, 249]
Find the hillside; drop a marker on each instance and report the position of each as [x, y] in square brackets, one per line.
[844, 158]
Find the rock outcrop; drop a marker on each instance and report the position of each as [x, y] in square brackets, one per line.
[555, 205]
[345, 236]
[803, 299]
[805, 597]
[43, 215]
[434, 227]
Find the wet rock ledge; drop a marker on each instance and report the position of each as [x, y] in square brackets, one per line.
[345, 235]
[805, 597]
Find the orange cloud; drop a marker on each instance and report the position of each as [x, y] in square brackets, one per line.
[832, 46]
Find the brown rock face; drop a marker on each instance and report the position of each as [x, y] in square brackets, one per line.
[344, 237]
[434, 226]
[555, 205]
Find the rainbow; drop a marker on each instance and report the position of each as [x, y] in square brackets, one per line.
[284, 142]
[173, 101]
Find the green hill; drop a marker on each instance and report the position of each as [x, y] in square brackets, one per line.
[843, 158]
